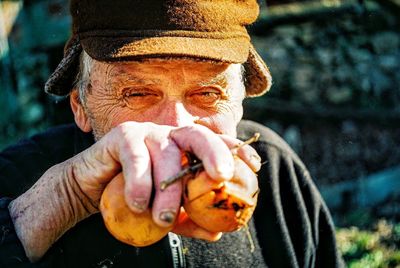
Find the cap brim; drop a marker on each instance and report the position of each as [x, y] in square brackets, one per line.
[232, 50]
[258, 78]
[62, 80]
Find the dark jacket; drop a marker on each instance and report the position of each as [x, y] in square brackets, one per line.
[291, 226]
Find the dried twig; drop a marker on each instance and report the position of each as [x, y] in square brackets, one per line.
[199, 166]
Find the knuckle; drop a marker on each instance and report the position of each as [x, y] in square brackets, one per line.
[125, 126]
[128, 132]
[123, 130]
[198, 129]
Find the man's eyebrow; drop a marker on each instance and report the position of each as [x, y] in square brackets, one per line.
[218, 80]
[130, 78]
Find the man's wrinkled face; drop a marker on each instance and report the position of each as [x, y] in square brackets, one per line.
[166, 92]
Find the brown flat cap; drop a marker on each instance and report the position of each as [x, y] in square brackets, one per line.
[135, 29]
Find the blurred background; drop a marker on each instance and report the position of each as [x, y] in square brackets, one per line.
[335, 100]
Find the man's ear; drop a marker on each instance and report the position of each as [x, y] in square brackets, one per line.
[80, 116]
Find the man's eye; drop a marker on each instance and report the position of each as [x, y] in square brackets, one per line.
[206, 98]
[139, 93]
[136, 94]
[138, 99]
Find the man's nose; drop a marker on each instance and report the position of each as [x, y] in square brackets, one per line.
[175, 114]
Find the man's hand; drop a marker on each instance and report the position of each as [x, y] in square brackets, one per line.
[148, 154]
[145, 152]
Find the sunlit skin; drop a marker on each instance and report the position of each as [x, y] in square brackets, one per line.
[175, 93]
[166, 92]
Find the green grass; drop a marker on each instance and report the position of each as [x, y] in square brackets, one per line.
[374, 248]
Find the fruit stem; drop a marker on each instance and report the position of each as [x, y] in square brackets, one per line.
[254, 138]
[249, 237]
[199, 166]
[180, 175]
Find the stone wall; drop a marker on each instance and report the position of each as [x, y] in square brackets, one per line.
[336, 99]
[343, 67]
[347, 60]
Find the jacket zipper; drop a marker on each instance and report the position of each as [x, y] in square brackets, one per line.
[175, 243]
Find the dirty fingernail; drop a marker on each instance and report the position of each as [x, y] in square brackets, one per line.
[139, 203]
[256, 157]
[167, 216]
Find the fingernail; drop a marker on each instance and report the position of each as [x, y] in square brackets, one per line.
[255, 161]
[139, 203]
[167, 216]
[256, 157]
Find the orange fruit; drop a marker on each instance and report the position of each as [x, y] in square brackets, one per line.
[222, 206]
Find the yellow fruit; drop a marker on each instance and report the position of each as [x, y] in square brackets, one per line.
[131, 228]
[215, 206]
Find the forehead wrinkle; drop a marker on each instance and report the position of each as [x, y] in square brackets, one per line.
[184, 75]
[124, 71]
[129, 78]
[220, 79]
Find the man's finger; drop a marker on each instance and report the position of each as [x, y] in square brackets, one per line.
[166, 162]
[247, 153]
[207, 146]
[136, 167]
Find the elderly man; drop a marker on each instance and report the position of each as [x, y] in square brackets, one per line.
[148, 80]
